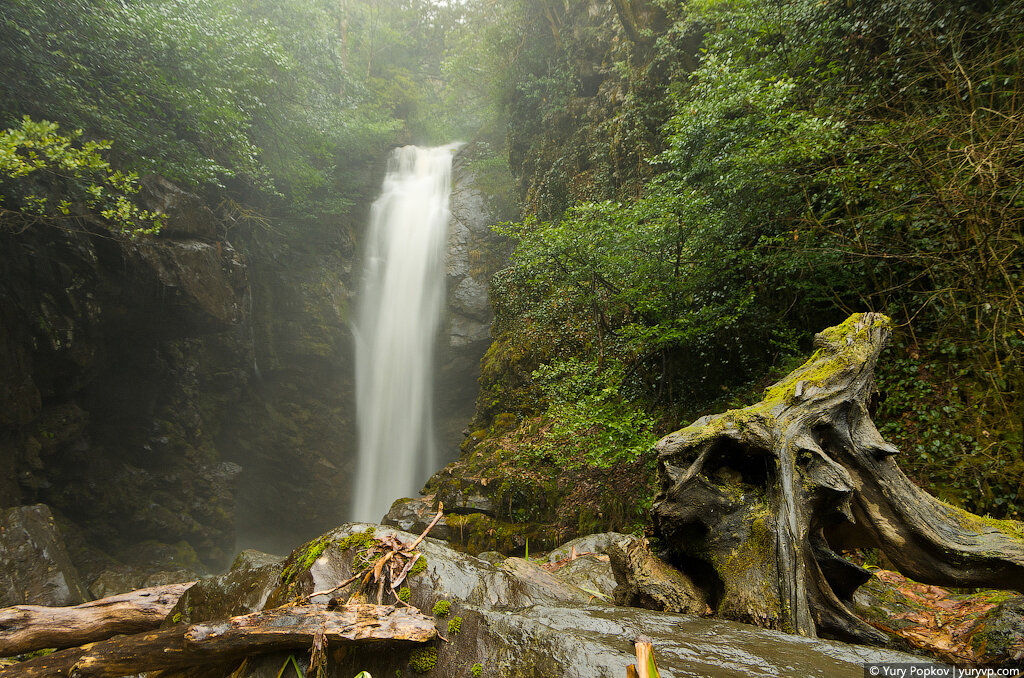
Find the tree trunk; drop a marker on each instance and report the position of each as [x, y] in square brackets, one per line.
[765, 496]
[628, 19]
[282, 628]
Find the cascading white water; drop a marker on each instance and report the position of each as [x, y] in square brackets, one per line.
[396, 325]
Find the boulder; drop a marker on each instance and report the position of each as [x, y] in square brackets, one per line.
[122, 579]
[517, 620]
[592, 573]
[34, 564]
[601, 542]
[584, 562]
[243, 589]
[468, 495]
[413, 515]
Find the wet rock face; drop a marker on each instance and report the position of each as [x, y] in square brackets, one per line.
[177, 389]
[34, 565]
[243, 589]
[293, 432]
[119, 354]
[518, 620]
[474, 253]
[187, 215]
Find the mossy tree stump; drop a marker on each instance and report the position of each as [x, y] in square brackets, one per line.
[758, 501]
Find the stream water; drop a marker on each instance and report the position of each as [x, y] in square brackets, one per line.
[396, 325]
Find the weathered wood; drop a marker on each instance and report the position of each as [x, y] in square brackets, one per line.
[27, 628]
[765, 496]
[283, 628]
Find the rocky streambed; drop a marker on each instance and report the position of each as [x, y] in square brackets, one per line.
[573, 612]
[513, 617]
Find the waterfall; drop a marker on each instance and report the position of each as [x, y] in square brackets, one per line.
[396, 324]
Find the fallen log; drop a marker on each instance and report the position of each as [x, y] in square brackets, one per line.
[290, 627]
[766, 496]
[27, 628]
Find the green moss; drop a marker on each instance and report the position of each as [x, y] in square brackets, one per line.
[503, 423]
[176, 618]
[304, 558]
[423, 659]
[834, 356]
[1014, 529]
[752, 563]
[307, 554]
[993, 596]
[454, 625]
[442, 608]
[419, 566]
[477, 670]
[361, 542]
[756, 551]
[404, 594]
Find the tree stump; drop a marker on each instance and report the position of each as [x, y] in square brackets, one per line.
[758, 501]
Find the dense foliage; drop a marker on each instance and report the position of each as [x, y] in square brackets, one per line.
[705, 185]
[279, 106]
[77, 177]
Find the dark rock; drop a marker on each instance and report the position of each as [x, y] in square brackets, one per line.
[600, 542]
[467, 495]
[294, 431]
[649, 582]
[122, 352]
[592, 573]
[243, 589]
[205, 280]
[122, 579]
[187, 214]
[251, 559]
[176, 388]
[413, 515]
[114, 580]
[155, 556]
[34, 565]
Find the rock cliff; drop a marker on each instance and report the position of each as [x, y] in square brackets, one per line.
[174, 397]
